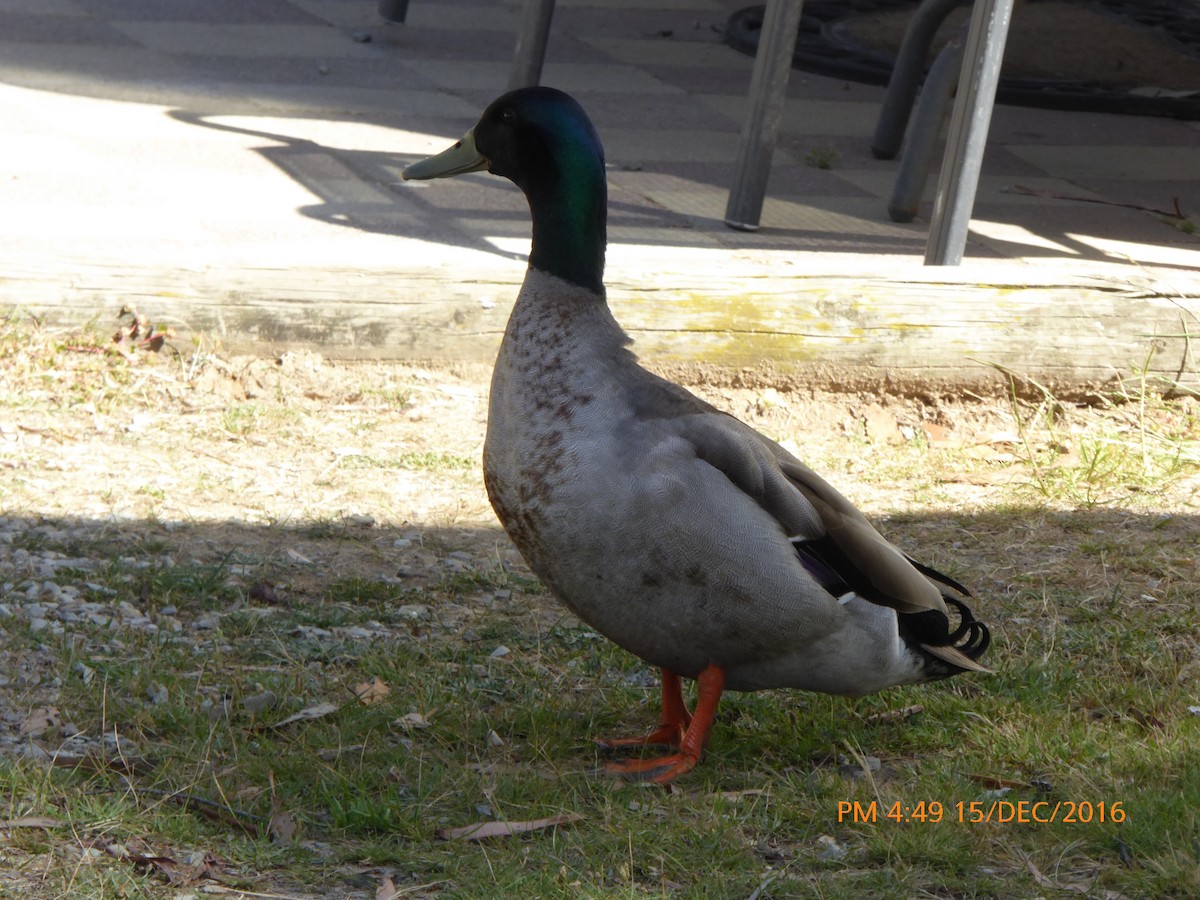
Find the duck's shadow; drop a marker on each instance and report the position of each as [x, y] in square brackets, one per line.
[364, 190]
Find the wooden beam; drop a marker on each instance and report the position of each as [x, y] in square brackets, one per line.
[859, 332]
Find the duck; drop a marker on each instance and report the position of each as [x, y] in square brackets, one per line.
[667, 525]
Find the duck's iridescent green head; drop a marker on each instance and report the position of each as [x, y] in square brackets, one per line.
[542, 140]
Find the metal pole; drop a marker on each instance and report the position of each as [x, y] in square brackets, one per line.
[922, 143]
[768, 90]
[532, 37]
[906, 76]
[967, 137]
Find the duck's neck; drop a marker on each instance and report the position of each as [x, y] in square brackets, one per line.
[569, 230]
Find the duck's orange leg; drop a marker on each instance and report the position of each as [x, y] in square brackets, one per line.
[710, 684]
[675, 719]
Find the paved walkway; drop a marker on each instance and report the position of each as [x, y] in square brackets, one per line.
[157, 150]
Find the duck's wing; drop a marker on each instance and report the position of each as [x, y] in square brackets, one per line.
[835, 542]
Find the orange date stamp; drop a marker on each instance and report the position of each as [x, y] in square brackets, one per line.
[978, 812]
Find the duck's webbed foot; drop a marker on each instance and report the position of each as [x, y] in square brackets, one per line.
[675, 720]
[689, 737]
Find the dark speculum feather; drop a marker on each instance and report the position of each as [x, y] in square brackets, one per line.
[823, 573]
[821, 555]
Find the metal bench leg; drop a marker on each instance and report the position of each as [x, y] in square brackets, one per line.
[768, 90]
[393, 11]
[906, 75]
[967, 137]
[926, 132]
[532, 36]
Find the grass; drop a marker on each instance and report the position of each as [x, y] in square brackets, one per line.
[823, 156]
[1097, 715]
[1084, 563]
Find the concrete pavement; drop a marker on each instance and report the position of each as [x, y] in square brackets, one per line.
[209, 160]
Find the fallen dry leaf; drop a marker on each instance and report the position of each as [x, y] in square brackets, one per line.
[312, 712]
[369, 692]
[41, 720]
[31, 822]
[481, 831]
[180, 873]
[940, 437]
[989, 781]
[735, 796]
[880, 425]
[1146, 720]
[413, 720]
[893, 715]
[1082, 886]
[282, 827]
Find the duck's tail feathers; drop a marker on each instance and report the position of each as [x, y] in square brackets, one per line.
[960, 649]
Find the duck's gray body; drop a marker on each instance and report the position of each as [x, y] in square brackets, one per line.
[597, 470]
[673, 529]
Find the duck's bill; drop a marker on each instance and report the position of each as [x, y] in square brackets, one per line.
[456, 160]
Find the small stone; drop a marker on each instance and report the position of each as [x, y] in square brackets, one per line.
[129, 611]
[313, 632]
[500, 652]
[264, 592]
[828, 848]
[260, 703]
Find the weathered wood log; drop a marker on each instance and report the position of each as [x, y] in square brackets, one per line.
[930, 331]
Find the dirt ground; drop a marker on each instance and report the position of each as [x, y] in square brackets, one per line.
[183, 437]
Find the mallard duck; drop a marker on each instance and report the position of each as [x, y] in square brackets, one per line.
[675, 530]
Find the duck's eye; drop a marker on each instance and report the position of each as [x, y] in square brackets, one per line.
[508, 114]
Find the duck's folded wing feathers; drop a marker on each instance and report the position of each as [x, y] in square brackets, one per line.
[835, 542]
[813, 513]
[923, 592]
